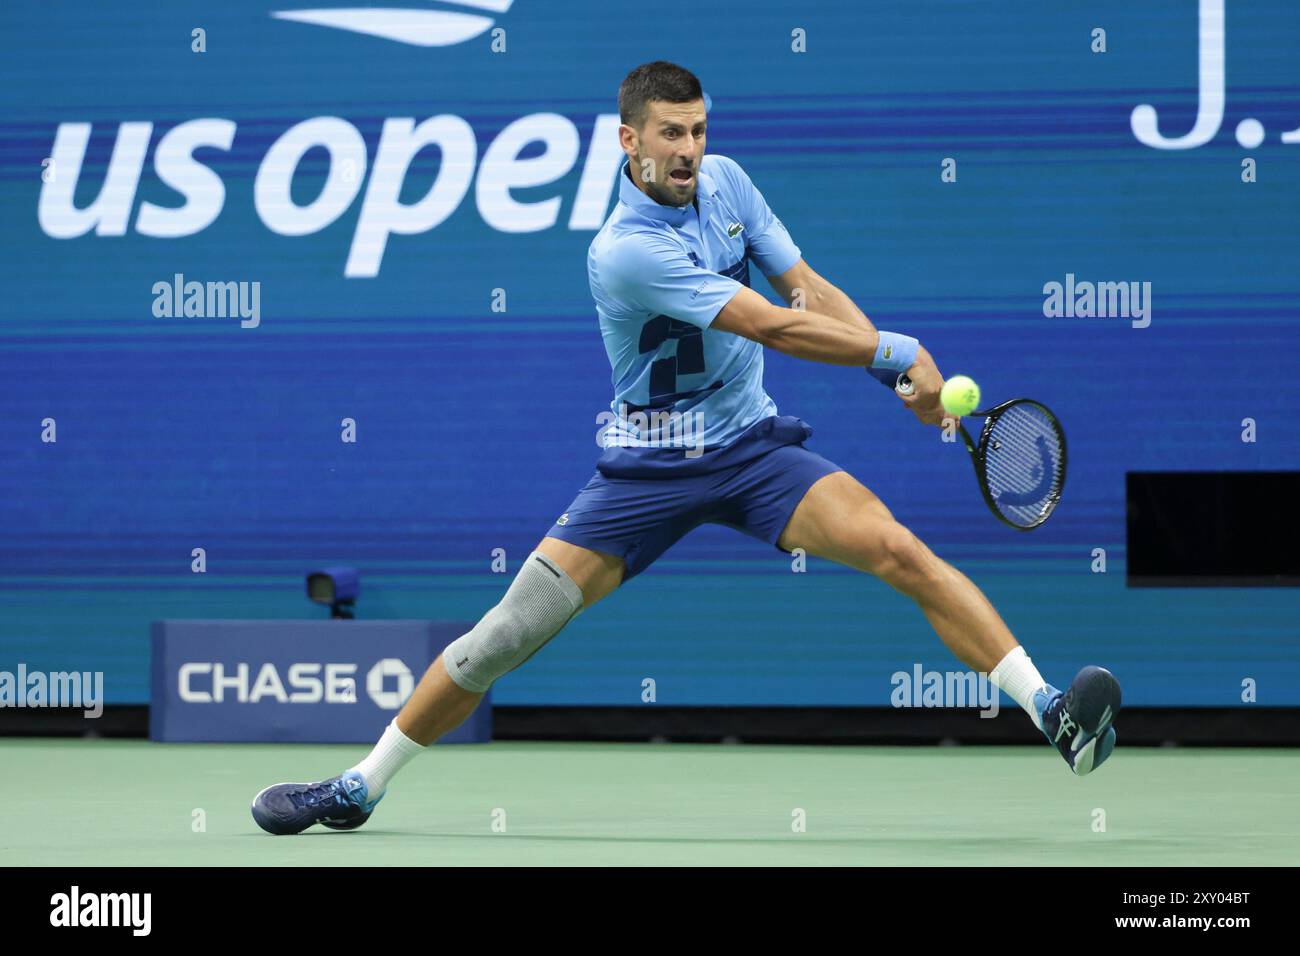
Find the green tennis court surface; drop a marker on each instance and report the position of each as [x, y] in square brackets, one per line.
[134, 802]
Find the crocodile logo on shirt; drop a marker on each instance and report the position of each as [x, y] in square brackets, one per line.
[734, 229]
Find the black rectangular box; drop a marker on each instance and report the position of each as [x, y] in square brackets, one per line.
[1213, 529]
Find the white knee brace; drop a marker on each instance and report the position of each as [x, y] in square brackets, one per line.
[540, 601]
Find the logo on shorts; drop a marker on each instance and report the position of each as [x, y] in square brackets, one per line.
[563, 519]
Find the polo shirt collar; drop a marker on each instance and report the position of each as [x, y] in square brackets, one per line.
[642, 204]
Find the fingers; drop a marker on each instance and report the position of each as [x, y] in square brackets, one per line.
[931, 416]
[924, 404]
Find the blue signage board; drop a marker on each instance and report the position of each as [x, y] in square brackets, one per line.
[294, 681]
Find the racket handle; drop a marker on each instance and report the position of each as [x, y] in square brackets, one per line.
[894, 381]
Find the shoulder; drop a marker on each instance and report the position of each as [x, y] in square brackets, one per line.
[724, 170]
[715, 163]
[620, 255]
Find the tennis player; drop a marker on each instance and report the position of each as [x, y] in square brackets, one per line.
[696, 439]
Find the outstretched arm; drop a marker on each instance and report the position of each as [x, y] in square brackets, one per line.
[828, 328]
[803, 333]
[801, 287]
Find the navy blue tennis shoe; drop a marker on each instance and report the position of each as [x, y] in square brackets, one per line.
[1078, 722]
[339, 803]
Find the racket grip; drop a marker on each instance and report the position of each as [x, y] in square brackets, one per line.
[890, 378]
[904, 384]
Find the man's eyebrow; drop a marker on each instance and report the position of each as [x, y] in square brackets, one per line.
[673, 124]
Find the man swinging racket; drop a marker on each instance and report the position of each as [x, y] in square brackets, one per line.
[685, 336]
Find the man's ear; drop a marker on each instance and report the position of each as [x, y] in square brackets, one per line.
[628, 139]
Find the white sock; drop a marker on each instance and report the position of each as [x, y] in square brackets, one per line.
[390, 755]
[1017, 675]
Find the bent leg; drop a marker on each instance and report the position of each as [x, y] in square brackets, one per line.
[554, 584]
[439, 704]
[612, 530]
[843, 521]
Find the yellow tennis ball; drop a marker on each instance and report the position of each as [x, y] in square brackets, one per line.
[960, 395]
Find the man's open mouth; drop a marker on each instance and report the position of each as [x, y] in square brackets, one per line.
[682, 176]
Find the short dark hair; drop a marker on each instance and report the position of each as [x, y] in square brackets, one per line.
[659, 80]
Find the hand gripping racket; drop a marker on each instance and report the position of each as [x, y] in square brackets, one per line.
[1019, 461]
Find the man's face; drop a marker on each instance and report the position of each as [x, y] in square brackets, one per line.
[665, 155]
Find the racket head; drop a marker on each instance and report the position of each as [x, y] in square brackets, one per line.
[1021, 462]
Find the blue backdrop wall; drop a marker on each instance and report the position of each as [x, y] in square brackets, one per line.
[128, 157]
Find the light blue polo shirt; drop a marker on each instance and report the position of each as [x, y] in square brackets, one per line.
[660, 275]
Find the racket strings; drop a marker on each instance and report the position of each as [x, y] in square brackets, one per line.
[1024, 463]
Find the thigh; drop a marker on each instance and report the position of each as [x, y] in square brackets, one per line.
[595, 572]
[841, 520]
[761, 497]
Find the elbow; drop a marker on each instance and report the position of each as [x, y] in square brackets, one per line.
[771, 331]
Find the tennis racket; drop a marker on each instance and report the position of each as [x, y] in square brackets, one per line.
[1019, 460]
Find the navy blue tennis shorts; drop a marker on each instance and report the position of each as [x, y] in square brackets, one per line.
[641, 501]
